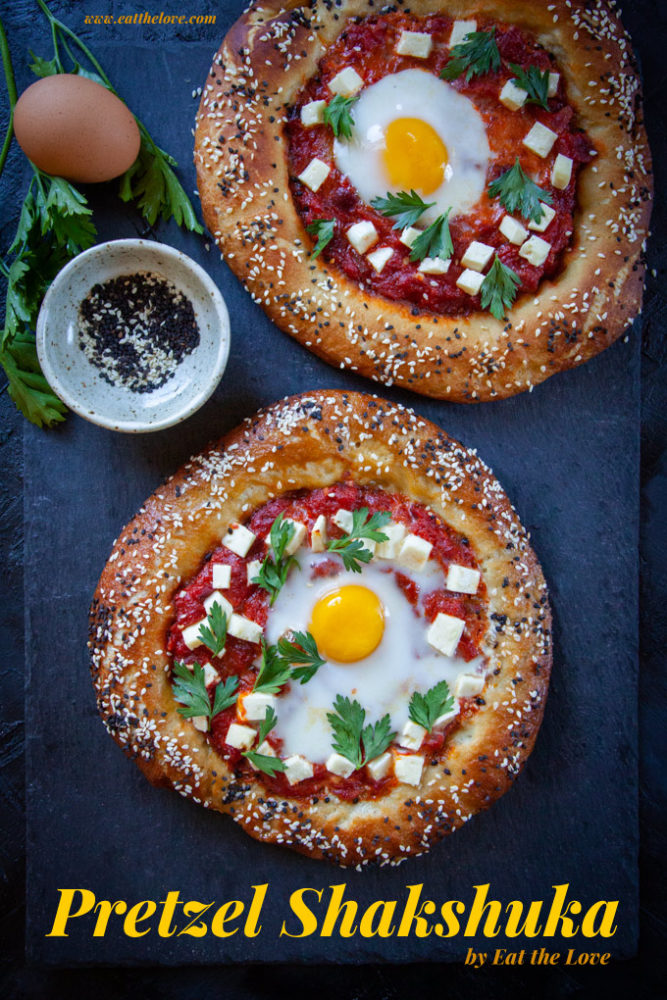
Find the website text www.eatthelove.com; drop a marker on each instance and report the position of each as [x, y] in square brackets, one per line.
[147, 18]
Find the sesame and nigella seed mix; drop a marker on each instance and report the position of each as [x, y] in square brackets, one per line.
[136, 329]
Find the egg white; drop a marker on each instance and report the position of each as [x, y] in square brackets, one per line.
[415, 93]
[381, 682]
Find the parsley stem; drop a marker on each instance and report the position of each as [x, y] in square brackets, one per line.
[56, 24]
[11, 93]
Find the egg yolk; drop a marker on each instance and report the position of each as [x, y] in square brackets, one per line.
[347, 623]
[414, 155]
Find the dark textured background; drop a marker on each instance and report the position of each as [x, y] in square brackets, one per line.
[63, 457]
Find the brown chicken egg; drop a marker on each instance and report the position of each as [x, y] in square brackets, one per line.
[73, 127]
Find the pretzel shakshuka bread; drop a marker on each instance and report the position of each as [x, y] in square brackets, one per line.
[329, 625]
[453, 196]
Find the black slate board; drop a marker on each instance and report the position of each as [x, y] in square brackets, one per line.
[567, 455]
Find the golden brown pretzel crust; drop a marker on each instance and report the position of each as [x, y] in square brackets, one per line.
[309, 441]
[240, 153]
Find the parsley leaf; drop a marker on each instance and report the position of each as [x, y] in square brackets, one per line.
[534, 82]
[27, 386]
[518, 193]
[436, 241]
[476, 55]
[263, 761]
[424, 709]
[324, 230]
[354, 741]
[275, 567]
[189, 688]
[499, 288]
[214, 633]
[351, 547]
[274, 671]
[338, 114]
[152, 184]
[66, 215]
[301, 650]
[405, 208]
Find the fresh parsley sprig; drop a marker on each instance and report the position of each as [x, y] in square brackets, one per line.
[276, 565]
[323, 230]
[518, 193]
[424, 709]
[476, 55]
[436, 241]
[534, 82]
[55, 224]
[189, 688]
[351, 547]
[295, 659]
[302, 654]
[263, 761]
[355, 741]
[405, 207]
[499, 289]
[214, 633]
[338, 114]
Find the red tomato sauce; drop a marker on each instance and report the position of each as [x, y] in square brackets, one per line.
[369, 46]
[252, 602]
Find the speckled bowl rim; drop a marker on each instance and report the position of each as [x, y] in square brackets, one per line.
[153, 251]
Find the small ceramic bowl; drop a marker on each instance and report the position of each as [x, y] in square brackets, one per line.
[80, 385]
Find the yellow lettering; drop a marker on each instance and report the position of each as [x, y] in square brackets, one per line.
[64, 911]
[385, 927]
[195, 909]
[251, 928]
[530, 926]
[607, 926]
[411, 913]
[337, 907]
[558, 913]
[106, 909]
[477, 912]
[447, 911]
[134, 915]
[223, 916]
[169, 905]
[306, 916]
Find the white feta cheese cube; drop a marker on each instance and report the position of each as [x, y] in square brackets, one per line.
[468, 685]
[513, 231]
[552, 88]
[535, 250]
[409, 235]
[548, 215]
[395, 534]
[315, 174]
[343, 520]
[339, 765]
[434, 265]
[244, 628]
[313, 113]
[540, 139]
[470, 281]
[477, 256]
[252, 570]
[297, 769]
[446, 717]
[513, 97]
[415, 43]
[462, 579]
[414, 552]
[347, 82]
[444, 633]
[191, 634]
[459, 31]
[238, 539]
[200, 722]
[378, 768]
[222, 576]
[362, 235]
[412, 736]
[318, 536]
[379, 258]
[240, 737]
[217, 598]
[266, 750]
[408, 768]
[561, 172]
[256, 704]
[210, 674]
[297, 538]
